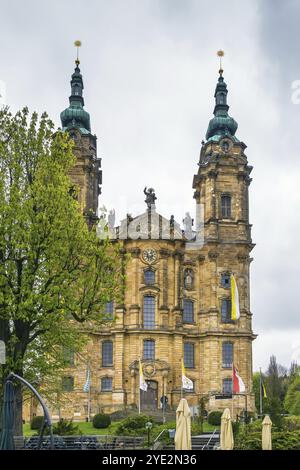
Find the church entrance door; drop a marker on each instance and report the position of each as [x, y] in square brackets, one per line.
[149, 399]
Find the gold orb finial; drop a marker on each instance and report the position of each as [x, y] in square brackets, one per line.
[220, 54]
[77, 44]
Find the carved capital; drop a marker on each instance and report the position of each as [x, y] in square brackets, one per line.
[242, 257]
[164, 253]
[213, 255]
[135, 252]
[178, 255]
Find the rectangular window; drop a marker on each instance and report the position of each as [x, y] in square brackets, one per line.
[106, 384]
[109, 310]
[188, 311]
[227, 355]
[149, 277]
[189, 356]
[227, 386]
[149, 349]
[226, 311]
[68, 356]
[107, 353]
[149, 312]
[68, 384]
[226, 206]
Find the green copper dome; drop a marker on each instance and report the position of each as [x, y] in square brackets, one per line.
[75, 115]
[222, 124]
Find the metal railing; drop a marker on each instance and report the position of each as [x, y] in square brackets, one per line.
[206, 446]
[97, 442]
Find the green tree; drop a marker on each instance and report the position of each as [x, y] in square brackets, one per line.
[256, 389]
[275, 377]
[55, 273]
[292, 399]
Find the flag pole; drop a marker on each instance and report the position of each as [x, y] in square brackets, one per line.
[181, 390]
[139, 386]
[232, 391]
[260, 393]
[89, 394]
[89, 404]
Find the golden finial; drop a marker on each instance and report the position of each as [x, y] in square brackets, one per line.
[77, 44]
[220, 54]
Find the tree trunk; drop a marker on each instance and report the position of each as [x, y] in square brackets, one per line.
[18, 414]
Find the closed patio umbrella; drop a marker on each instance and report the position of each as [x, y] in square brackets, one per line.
[226, 431]
[7, 434]
[182, 438]
[266, 438]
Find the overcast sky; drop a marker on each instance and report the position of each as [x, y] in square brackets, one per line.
[150, 70]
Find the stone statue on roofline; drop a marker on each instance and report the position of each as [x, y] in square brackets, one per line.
[150, 198]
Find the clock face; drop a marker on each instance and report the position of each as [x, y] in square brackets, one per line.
[149, 255]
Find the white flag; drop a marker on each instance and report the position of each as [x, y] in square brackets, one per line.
[187, 383]
[143, 383]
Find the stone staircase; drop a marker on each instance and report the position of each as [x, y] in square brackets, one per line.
[206, 441]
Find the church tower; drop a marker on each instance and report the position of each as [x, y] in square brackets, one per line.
[221, 188]
[87, 174]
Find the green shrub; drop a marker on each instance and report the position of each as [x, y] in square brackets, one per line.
[65, 427]
[101, 421]
[255, 426]
[250, 441]
[281, 440]
[214, 418]
[36, 423]
[285, 440]
[235, 428]
[133, 425]
[197, 428]
[292, 423]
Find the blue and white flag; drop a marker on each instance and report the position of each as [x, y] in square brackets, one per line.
[86, 387]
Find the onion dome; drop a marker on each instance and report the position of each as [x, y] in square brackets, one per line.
[75, 115]
[222, 124]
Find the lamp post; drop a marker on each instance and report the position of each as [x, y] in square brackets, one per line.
[149, 427]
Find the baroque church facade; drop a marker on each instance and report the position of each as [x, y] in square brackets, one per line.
[177, 300]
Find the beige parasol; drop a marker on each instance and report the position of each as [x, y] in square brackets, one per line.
[226, 431]
[183, 426]
[266, 438]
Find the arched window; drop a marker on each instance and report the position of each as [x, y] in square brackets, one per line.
[227, 354]
[188, 311]
[106, 384]
[107, 353]
[225, 280]
[76, 90]
[226, 311]
[149, 349]
[221, 98]
[226, 206]
[149, 312]
[227, 386]
[149, 277]
[189, 355]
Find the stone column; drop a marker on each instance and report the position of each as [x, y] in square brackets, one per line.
[118, 390]
[164, 254]
[135, 305]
